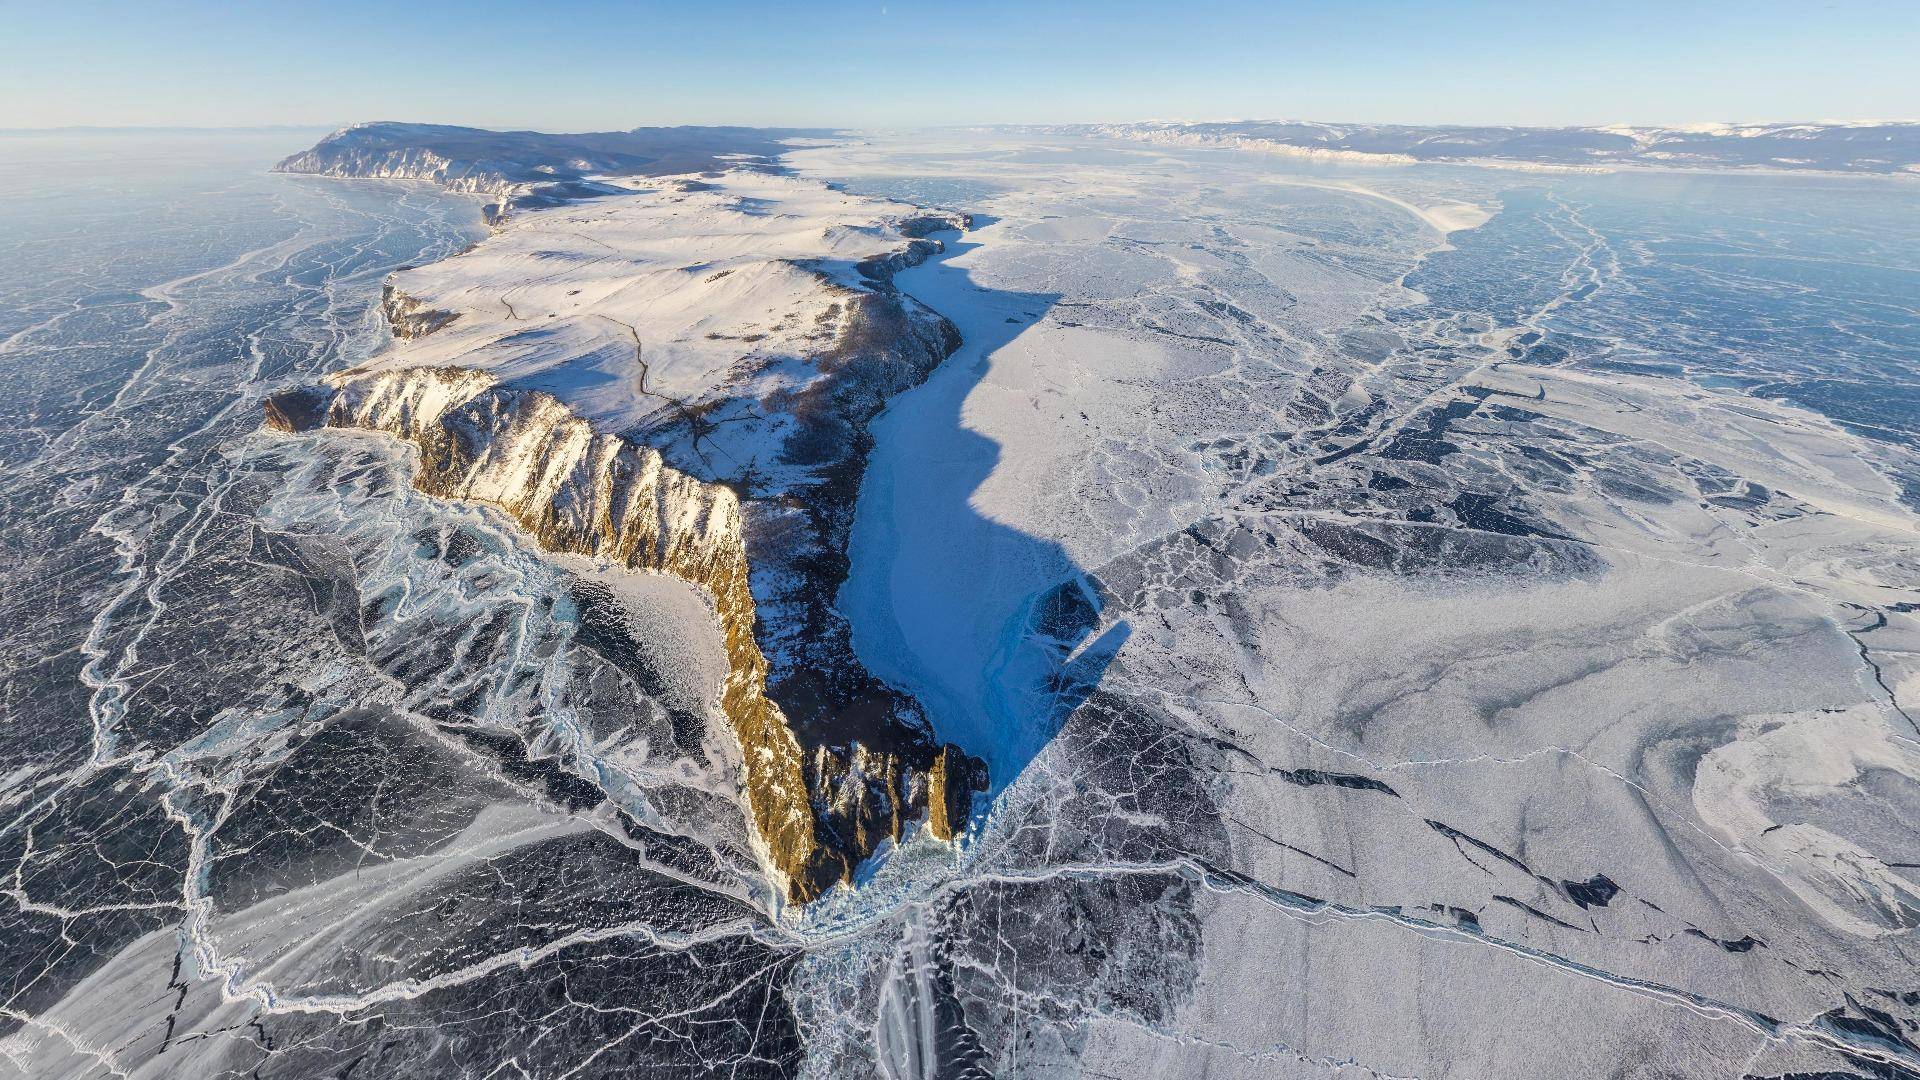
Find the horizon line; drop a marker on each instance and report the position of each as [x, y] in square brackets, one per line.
[317, 126]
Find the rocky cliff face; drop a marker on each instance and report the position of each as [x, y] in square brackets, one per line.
[817, 811]
[835, 763]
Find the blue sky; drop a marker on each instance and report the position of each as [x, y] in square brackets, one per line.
[560, 65]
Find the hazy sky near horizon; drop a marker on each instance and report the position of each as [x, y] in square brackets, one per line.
[597, 65]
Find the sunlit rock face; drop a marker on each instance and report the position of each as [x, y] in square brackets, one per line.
[407, 317]
[695, 404]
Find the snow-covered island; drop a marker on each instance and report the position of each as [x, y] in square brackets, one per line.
[675, 375]
[527, 169]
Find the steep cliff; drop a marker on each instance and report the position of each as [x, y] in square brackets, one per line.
[738, 476]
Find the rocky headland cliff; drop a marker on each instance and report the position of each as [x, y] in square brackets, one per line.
[676, 376]
[529, 169]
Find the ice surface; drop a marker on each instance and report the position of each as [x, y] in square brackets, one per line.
[1465, 669]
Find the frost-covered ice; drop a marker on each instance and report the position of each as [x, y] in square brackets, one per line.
[1515, 681]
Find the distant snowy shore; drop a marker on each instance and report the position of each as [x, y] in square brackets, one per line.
[1866, 148]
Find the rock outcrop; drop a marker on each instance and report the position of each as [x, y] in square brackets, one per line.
[835, 763]
[408, 317]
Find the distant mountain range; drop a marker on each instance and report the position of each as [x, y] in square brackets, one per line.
[1863, 147]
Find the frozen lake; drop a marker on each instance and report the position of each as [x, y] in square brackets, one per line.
[1420, 621]
[1509, 574]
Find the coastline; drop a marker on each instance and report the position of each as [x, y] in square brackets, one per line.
[1322, 155]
